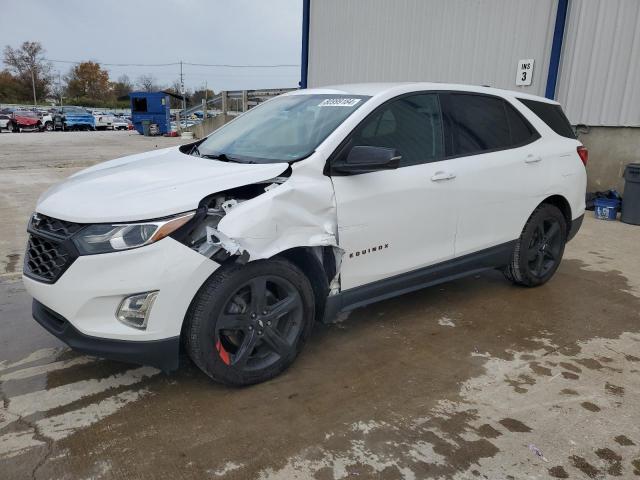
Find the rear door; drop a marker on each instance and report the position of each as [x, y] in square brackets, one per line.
[500, 170]
[394, 221]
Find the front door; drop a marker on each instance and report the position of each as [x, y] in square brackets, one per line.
[395, 221]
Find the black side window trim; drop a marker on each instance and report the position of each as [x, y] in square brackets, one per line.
[338, 152]
[449, 131]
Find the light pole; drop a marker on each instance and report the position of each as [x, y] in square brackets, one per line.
[182, 91]
[33, 85]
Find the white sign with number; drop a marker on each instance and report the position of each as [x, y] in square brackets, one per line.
[525, 72]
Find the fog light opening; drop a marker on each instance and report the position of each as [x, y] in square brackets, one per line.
[134, 310]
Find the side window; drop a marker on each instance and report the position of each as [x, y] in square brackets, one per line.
[479, 123]
[552, 115]
[412, 125]
[521, 130]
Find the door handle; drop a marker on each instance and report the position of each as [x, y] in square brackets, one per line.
[533, 159]
[440, 176]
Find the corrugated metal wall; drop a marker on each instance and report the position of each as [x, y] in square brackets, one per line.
[599, 80]
[467, 41]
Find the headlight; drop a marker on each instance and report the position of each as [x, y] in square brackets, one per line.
[103, 238]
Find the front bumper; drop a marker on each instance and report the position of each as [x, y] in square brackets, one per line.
[87, 295]
[162, 354]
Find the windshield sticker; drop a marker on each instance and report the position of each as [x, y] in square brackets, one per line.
[339, 102]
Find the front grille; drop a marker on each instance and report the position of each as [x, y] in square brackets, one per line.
[45, 259]
[53, 226]
[49, 248]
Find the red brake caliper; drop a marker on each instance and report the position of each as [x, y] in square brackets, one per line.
[224, 355]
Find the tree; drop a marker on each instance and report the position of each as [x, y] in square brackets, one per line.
[147, 83]
[29, 66]
[88, 80]
[58, 90]
[122, 87]
[177, 102]
[9, 87]
[198, 95]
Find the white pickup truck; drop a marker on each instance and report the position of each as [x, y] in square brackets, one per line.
[103, 121]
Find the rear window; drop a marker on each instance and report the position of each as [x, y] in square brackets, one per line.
[482, 123]
[552, 115]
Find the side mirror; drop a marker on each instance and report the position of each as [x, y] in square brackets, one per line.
[365, 159]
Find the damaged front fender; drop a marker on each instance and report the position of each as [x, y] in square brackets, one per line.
[271, 217]
[294, 214]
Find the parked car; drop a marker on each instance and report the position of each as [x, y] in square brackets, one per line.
[46, 119]
[103, 121]
[25, 121]
[183, 124]
[120, 123]
[313, 203]
[5, 122]
[73, 118]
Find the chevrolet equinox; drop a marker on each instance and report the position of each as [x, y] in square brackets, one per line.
[311, 204]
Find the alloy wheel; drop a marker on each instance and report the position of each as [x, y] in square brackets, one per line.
[545, 247]
[259, 324]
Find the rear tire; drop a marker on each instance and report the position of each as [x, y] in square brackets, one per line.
[539, 250]
[248, 323]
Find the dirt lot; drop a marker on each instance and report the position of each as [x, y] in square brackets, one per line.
[472, 379]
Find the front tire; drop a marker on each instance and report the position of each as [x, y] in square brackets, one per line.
[248, 323]
[539, 250]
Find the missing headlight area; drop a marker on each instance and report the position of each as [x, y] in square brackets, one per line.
[207, 239]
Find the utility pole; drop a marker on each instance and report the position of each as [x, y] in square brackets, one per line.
[204, 105]
[33, 84]
[182, 91]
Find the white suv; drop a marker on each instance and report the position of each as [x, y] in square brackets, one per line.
[314, 203]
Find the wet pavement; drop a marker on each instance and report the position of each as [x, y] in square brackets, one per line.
[471, 379]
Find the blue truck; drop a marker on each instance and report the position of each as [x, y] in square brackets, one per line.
[73, 118]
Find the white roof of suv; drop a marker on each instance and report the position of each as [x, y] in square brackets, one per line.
[372, 89]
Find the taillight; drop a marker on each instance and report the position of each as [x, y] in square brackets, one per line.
[583, 153]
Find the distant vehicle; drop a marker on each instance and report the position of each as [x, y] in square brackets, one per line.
[25, 120]
[103, 121]
[120, 123]
[47, 121]
[73, 118]
[5, 122]
[183, 124]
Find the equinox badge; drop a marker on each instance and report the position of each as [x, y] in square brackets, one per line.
[368, 250]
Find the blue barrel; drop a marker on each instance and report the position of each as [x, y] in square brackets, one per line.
[606, 208]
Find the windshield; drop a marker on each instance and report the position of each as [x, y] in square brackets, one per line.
[286, 128]
[75, 110]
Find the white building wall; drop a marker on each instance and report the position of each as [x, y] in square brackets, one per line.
[466, 41]
[599, 82]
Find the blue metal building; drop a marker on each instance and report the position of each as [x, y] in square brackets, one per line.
[152, 107]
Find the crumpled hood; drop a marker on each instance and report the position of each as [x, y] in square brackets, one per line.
[146, 186]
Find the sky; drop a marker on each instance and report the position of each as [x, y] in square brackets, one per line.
[236, 32]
